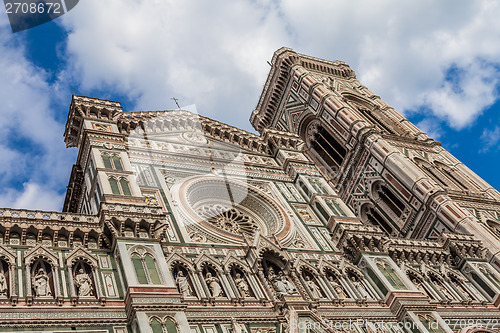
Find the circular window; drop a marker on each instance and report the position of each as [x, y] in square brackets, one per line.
[228, 210]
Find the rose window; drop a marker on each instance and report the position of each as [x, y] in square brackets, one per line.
[229, 211]
[231, 220]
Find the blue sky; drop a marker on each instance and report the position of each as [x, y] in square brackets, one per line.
[438, 63]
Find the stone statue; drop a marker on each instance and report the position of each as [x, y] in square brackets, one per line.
[83, 283]
[360, 287]
[183, 284]
[419, 287]
[213, 284]
[242, 285]
[337, 287]
[445, 291]
[3, 284]
[313, 287]
[283, 286]
[237, 327]
[41, 284]
[271, 275]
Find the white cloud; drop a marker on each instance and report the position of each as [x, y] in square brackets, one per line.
[490, 138]
[214, 53]
[431, 127]
[211, 53]
[31, 145]
[32, 196]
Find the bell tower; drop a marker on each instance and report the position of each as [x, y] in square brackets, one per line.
[388, 171]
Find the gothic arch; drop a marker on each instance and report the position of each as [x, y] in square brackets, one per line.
[231, 261]
[381, 192]
[301, 265]
[166, 324]
[36, 258]
[371, 215]
[327, 269]
[146, 265]
[204, 260]
[353, 270]
[40, 251]
[407, 270]
[325, 146]
[175, 259]
[83, 255]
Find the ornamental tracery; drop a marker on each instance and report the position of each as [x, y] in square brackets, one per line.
[227, 211]
[231, 220]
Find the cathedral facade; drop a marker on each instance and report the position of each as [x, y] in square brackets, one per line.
[340, 216]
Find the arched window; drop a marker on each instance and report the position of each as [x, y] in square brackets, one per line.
[377, 120]
[375, 218]
[391, 200]
[112, 161]
[117, 162]
[391, 276]
[145, 269]
[120, 187]
[455, 178]
[114, 186]
[124, 186]
[491, 276]
[107, 161]
[156, 325]
[335, 207]
[327, 147]
[167, 325]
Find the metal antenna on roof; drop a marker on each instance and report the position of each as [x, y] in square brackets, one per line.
[175, 100]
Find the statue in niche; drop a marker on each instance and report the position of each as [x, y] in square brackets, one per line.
[3, 284]
[41, 284]
[283, 286]
[360, 287]
[213, 284]
[83, 283]
[419, 286]
[444, 291]
[183, 284]
[242, 285]
[271, 275]
[313, 287]
[237, 327]
[460, 287]
[337, 287]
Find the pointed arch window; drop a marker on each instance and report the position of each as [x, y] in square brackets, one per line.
[328, 148]
[146, 269]
[455, 178]
[167, 325]
[391, 200]
[114, 186]
[124, 186]
[391, 276]
[112, 161]
[156, 326]
[375, 218]
[335, 207]
[119, 187]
